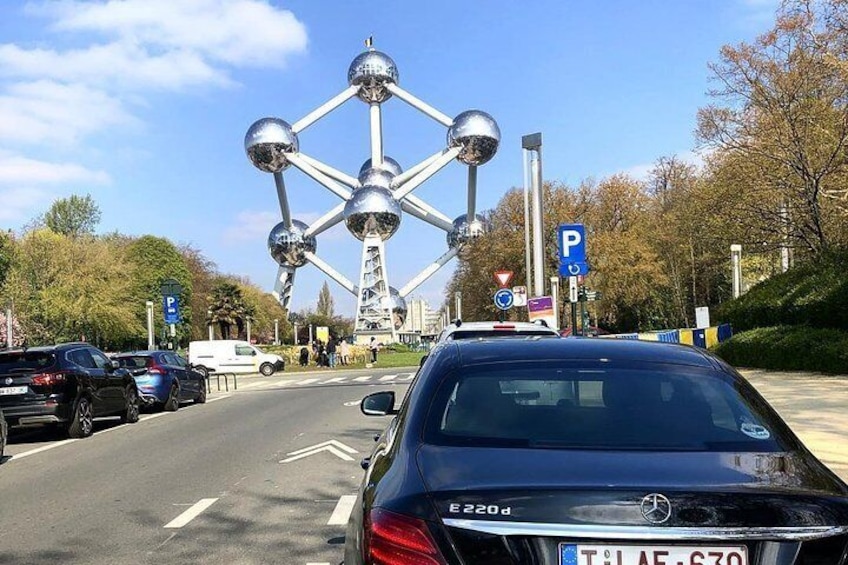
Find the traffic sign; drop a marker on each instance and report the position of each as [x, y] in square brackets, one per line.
[573, 268]
[171, 309]
[170, 287]
[572, 243]
[572, 289]
[520, 295]
[504, 299]
[503, 278]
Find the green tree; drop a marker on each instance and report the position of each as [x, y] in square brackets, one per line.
[228, 308]
[325, 305]
[73, 216]
[203, 277]
[154, 260]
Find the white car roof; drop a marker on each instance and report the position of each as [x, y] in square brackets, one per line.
[506, 327]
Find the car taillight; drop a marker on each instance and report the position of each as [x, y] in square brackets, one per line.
[504, 327]
[155, 371]
[48, 379]
[392, 539]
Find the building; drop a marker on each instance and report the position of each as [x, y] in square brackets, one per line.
[422, 324]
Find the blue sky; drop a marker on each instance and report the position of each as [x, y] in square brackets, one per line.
[144, 104]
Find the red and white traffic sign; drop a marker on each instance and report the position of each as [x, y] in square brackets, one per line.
[503, 278]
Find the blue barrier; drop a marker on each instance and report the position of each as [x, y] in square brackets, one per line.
[702, 337]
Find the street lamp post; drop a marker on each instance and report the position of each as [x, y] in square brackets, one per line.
[736, 259]
[458, 304]
[210, 326]
[276, 332]
[533, 144]
[150, 342]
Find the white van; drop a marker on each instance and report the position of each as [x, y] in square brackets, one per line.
[232, 356]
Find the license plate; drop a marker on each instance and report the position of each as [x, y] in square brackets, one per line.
[10, 390]
[603, 554]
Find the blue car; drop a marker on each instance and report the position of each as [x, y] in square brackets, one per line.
[163, 378]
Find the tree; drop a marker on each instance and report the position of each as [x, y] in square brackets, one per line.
[779, 128]
[325, 302]
[228, 308]
[203, 275]
[73, 216]
[155, 259]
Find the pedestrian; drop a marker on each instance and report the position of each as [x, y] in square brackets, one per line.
[373, 347]
[304, 356]
[344, 351]
[331, 351]
[322, 354]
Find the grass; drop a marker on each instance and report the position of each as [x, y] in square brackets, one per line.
[385, 360]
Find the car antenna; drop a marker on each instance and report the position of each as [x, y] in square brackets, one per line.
[457, 322]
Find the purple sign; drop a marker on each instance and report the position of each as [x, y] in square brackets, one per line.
[540, 304]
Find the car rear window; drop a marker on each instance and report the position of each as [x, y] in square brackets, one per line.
[474, 334]
[601, 409]
[25, 361]
[133, 362]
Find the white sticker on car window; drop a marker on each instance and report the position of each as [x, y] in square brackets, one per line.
[755, 431]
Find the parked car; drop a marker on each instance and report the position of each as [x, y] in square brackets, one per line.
[164, 378]
[472, 330]
[589, 452]
[4, 432]
[67, 385]
[232, 356]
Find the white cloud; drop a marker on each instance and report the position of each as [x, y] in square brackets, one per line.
[252, 226]
[643, 170]
[19, 170]
[18, 203]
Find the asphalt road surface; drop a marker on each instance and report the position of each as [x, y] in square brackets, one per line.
[230, 482]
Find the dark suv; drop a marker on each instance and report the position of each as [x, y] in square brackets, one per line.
[68, 384]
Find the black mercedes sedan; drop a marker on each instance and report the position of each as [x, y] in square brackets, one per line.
[590, 452]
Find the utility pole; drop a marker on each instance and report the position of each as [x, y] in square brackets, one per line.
[458, 304]
[276, 332]
[533, 145]
[150, 341]
[736, 260]
[210, 327]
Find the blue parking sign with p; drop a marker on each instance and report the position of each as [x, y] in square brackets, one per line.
[171, 309]
[571, 240]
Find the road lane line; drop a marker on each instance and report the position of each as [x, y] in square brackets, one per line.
[362, 379]
[191, 513]
[334, 380]
[40, 449]
[307, 381]
[324, 563]
[151, 416]
[385, 378]
[343, 509]
[218, 398]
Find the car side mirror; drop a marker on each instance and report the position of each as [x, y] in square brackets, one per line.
[379, 404]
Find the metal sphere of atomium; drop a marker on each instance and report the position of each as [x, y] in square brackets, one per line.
[372, 210]
[389, 164]
[398, 307]
[371, 71]
[463, 231]
[376, 177]
[477, 133]
[288, 246]
[266, 143]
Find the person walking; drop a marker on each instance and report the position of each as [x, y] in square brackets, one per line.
[344, 351]
[373, 347]
[331, 351]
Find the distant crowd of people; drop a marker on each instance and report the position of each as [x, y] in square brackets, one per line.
[333, 353]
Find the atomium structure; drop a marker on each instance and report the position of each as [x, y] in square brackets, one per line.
[373, 202]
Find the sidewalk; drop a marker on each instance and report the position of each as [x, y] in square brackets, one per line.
[816, 408]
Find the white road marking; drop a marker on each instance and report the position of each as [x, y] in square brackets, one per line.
[317, 564]
[334, 380]
[343, 509]
[353, 403]
[251, 385]
[362, 379]
[284, 383]
[218, 398]
[307, 381]
[151, 416]
[406, 376]
[337, 448]
[191, 513]
[388, 378]
[40, 449]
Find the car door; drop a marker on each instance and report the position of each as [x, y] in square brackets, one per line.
[193, 378]
[178, 370]
[91, 379]
[113, 382]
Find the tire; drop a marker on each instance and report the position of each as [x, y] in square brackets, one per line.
[173, 402]
[4, 430]
[133, 409]
[201, 398]
[266, 369]
[82, 423]
[203, 371]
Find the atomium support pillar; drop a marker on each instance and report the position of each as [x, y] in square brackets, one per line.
[373, 305]
[284, 286]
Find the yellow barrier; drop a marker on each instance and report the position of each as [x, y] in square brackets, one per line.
[648, 336]
[711, 336]
[686, 337]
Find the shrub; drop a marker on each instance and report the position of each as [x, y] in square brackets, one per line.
[813, 294]
[792, 348]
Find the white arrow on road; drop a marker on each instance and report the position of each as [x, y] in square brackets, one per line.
[337, 448]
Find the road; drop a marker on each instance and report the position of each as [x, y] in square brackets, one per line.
[226, 482]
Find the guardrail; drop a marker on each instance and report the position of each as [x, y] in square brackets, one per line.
[218, 379]
[701, 337]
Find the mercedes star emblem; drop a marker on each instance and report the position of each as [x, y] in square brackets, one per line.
[656, 508]
[9, 380]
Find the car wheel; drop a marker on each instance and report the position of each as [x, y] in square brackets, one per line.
[266, 369]
[203, 371]
[201, 398]
[82, 424]
[131, 414]
[4, 429]
[173, 402]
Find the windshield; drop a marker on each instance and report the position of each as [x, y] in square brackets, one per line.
[599, 409]
[25, 362]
